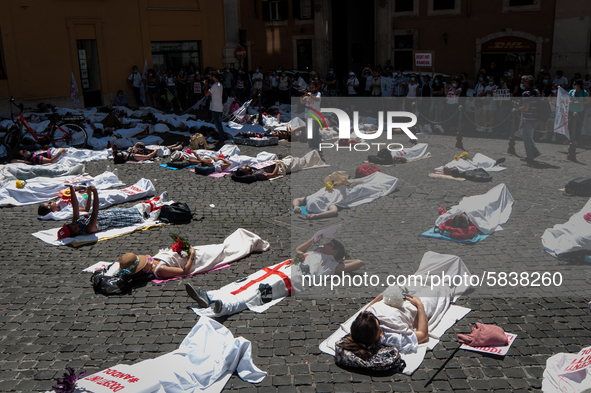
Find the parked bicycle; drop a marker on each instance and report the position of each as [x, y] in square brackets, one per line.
[60, 132]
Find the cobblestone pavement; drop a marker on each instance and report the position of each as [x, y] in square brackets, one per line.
[50, 318]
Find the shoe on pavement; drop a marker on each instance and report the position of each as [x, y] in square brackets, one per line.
[198, 295]
[537, 154]
[217, 306]
[499, 161]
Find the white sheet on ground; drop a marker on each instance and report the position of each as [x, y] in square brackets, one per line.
[20, 171]
[74, 155]
[574, 235]
[487, 212]
[373, 187]
[141, 189]
[576, 382]
[310, 160]
[43, 189]
[238, 161]
[441, 314]
[478, 161]
[204, 362]
[238, 245]
[417, 152]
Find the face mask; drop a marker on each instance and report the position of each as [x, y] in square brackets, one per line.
[231, 67]
[521, 86]
[505, 74]
[542, 70]
[412, 78]
[491, 83]
[135, 71]
[283, 74]
[509, 74]
[330, 72]
[545, 80]
[437, 82]
[120, 95]
[316, 78]
[480, 78]
[182, 72]
[151, 74]
[257, 70]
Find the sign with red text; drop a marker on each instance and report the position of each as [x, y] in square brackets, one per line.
[119, 378]
[423, 59]
[499, 351]
[581, 362]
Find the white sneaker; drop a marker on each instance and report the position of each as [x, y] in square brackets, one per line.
[164, 197]
[116, 172]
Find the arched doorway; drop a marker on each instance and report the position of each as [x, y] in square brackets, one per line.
[510, 49]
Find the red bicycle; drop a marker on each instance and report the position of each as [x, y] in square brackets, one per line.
[60, 132]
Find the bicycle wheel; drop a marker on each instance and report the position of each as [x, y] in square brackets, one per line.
[71, 135]
[9, 143]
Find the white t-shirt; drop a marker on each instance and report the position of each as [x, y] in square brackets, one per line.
[302, 85]
[216, 98]
[412, 90]
[451, 97]
[560, 81]
[313, 103]
[274, 81]
[258, 84]
[368, 80]
[319, 265]
[351, 88]
[136, 79]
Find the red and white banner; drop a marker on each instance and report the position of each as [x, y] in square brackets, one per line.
[581, 362]
[500, 351]
[424, 59]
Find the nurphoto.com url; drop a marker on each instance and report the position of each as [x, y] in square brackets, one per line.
[487, 278]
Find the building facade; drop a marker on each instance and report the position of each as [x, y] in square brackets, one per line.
[462, 35]
[43, 41]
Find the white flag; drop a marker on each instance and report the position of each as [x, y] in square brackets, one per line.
[143, 84]
[561, 119]
[74, 92]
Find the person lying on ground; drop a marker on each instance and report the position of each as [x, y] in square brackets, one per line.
[112, 218]
[281, 167]
[38, 157]
[284, 279]
[459, 227]
[181, 259]
[138, 152]
[404, 320]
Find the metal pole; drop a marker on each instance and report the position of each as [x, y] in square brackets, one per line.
[414, 110]
[512, 131]
[459, 144]
[442, 366]
[572, 148]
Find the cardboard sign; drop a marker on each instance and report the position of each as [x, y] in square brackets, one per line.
[500, 351]
[581, 362]
[423, 59]
[502, 95]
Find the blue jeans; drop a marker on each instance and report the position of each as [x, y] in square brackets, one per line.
[217, 120]
[527, 132]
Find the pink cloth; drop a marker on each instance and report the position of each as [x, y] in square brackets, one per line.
[484, 336]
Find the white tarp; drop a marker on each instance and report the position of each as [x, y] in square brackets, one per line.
[20, 171]
[43, 189]
[204, 362]
[441, 315]
[487, 212]
[478, 161]
[141, 189]
[373, 187]
[420, 150]
[574, 235]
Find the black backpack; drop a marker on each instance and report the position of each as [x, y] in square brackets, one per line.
[544, 110]
[108, 286]
[478, 175]
[384, 157]
[580, 186]
[176, 213]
